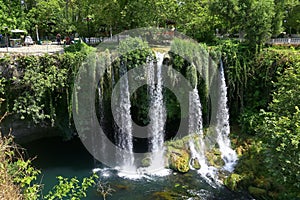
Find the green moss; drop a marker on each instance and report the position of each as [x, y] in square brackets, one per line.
[195, 163]
[232, 181]
[191, 74]
[214, 158]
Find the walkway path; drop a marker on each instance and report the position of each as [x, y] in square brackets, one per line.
[33, 49]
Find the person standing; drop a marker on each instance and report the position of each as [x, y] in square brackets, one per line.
[58, 38]
[68, 40]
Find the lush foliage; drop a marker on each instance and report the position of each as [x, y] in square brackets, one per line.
[281, 133]
[250, 18]
[19, 179]
[39, 88]
[263, 84]
[257, 20]
[269, 165]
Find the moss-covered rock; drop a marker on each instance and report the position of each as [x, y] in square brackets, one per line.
[214, 158]
[195, 163]
[146, 162]
[178, 160]
[232, 181]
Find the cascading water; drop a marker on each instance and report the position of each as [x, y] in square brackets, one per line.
[101, 120]
[157, 113]
[195, 113]
[228, 154]
[197, 147]
[209, 173]
[124, 130]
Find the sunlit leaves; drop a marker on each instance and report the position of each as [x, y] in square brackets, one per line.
[280, 131]
[71, 188]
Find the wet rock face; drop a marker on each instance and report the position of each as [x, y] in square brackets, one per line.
[25, 131]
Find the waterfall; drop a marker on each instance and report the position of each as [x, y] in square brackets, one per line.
[101, 120]
[100, 104]
[197, 147]
[209, 173]
[228, 154]
[124, 130]
[157, 113]
[195, 113]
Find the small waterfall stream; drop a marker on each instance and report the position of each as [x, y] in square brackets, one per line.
[157, 113]
[209, 173]
[228, 154]
[101, 120]
[197, 147]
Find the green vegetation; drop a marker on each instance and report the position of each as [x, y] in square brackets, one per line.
[263, 82]
[268, 142]
[71, 188]
[256, 20]
[17, 176]
[39, 88]
[263, 90]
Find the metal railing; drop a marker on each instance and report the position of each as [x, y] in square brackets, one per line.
[117, 38]
[96, 40]
[284, 41]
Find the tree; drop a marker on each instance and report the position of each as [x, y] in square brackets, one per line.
[48, 16]
[293, 20]
[132, 16]
[12, 15]
[227, 11]
[199, 24]
[256, 21]
[109, 16]
[251, 17]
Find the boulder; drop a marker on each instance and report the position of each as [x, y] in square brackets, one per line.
[214, 158]
[195, 163]
[179, 160]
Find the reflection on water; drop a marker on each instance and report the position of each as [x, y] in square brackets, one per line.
[68, 159]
